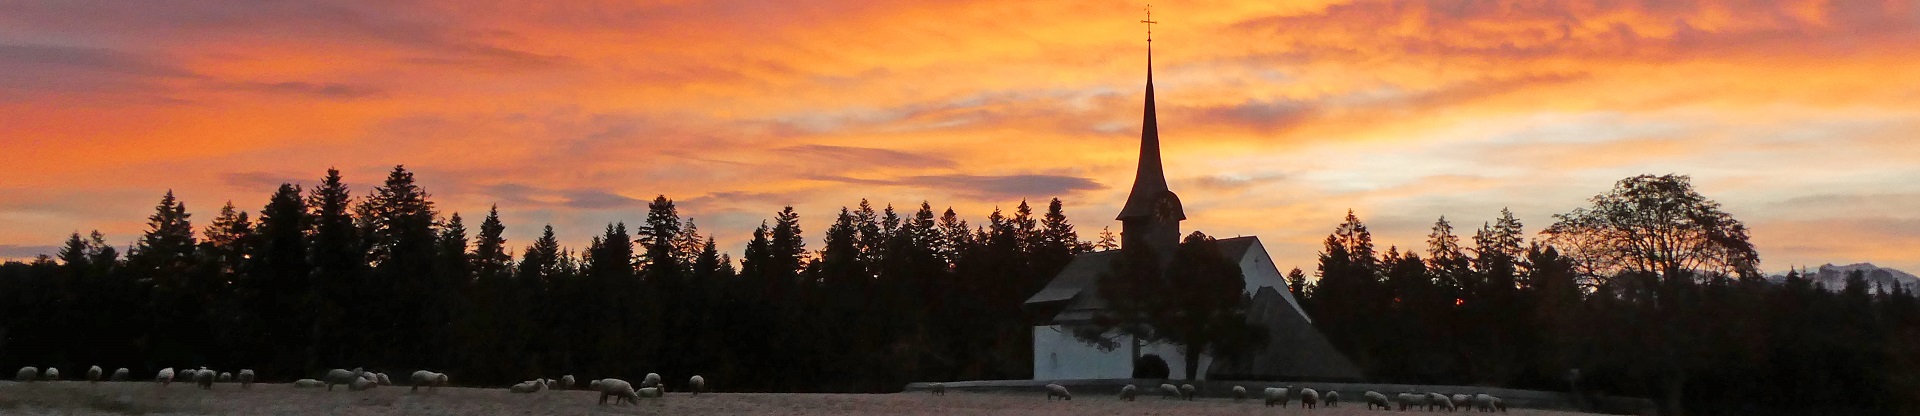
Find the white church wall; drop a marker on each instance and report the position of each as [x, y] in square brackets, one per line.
[1057, 355]
[1260, 272]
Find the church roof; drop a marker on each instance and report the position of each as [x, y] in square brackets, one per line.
[1083, 273]
[1149, 180]
[1294, 350]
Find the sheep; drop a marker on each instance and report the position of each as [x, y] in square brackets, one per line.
[339, 376]
[937, 389]
[1374, 398]
[1128, 392]
[1441, 401]
[226, 376]
[1186, 391]
[1463, 401]
[652, 380]
[1239, 393]
[552, 384]
[164, 377]
[93, 374]
[27, 375]
[430, 379]
[1169, 391]
[1332, 399]
[1275, 395]
[1309, 399]
[361, 384]
[697, 384]
[308, 383]
[53, 374]
[593, 385]
[1487, 403]
[1411, 399]
[1056, 390]
[566, 382]
[204, 378]
[382, 379]
[246, 378]
[120, 375]
[652, 392]
[616, 388]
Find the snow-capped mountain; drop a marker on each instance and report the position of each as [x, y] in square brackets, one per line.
[1834, 277]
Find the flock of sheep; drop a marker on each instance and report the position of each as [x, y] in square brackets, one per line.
[359, 379]
[1309, 398]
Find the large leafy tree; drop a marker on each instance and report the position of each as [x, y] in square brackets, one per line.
[1199, 303]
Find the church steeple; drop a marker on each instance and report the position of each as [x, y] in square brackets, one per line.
[1153, 213]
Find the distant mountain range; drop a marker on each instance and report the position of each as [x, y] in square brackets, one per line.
[1835, 277]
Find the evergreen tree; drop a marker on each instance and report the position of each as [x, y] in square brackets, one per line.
[490, 257]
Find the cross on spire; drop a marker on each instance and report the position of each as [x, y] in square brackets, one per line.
[1149, 23]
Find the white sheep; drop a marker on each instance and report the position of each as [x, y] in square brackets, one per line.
[246, 378]
[339, 376]
[226, 376]
[1487, 403]
[164, 377]
[382, 378]
[1169, 391]
[937, 389]
[1440, 401]
[617, 389]
[1374, 398]
[566, 382]
[1411, 399]
[552, 384]
[652, 380]
[1128, 392]
[1463, 400]
[1239, 393]
[529, 386]
[1332, 399]
[308, 383]
[655, 392]
[1276, 395]
[120, 375]
[698, 384]
[593, 385]
[53, 374]
[430, 379]
[1186, 391]
[204, 378]
[27, 375]
[94, 373]
[1056, 390]
[1309, 399]
[362, 384]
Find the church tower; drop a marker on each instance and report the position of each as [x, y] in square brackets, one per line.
[1151, 218]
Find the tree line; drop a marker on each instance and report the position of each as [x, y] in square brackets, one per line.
[322, 278]
[1652, 291]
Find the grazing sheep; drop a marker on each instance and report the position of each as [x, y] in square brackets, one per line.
[567, 382]
[652, 392]
[361, 384]
[1186, 391]
[308, 383]
[1332, 399]
[226, 376]
[652, 380]
[382, 378]
[1374, 398]
[1056, 390]
[204, 378]
[1440, 401]
[246, 378]
[53, 374]
[1309, 399]
[27, 375]
[1411, 399]
[698, 384]
[120, 375]
[1169, 391]
[339, 376]
[529, 386]
[1487, 403]
[428, 378]
[551, 383]
[937, 389]
[616, 388]
[1239, 393]
[1463, 401]
[1128, 392]
[94, 373]
[1275, 395]
[164, 377]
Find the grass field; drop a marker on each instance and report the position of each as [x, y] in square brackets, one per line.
[81, 398]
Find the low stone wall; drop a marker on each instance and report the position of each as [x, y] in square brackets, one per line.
[1350, 393]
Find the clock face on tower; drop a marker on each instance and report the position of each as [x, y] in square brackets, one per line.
[1166, 208]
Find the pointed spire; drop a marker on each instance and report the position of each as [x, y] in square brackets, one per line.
[1149, 180]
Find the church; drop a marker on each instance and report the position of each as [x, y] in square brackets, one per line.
[1151, 219]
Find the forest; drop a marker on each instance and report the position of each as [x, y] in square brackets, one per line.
[323, 278]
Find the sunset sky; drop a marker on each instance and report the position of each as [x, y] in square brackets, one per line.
[1276, 116]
